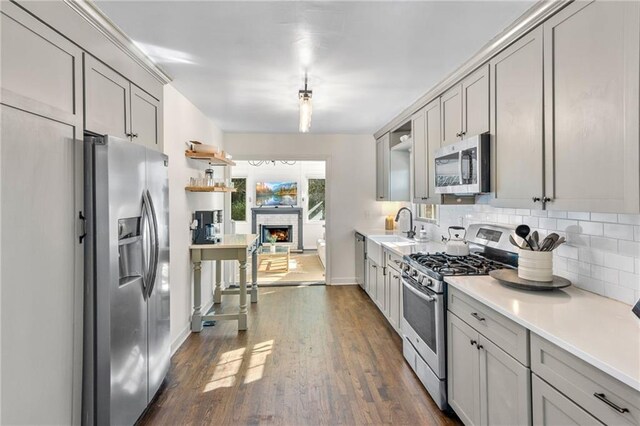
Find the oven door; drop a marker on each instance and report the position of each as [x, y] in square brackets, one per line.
[423, 323]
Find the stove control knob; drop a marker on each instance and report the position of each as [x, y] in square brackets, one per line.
[429, 283]
[414, 273]
[421, 279]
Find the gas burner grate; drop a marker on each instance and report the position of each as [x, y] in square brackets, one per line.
[447, 265]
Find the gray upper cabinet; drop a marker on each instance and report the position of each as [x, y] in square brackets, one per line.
[591, 57]
[426, 141]
[475, 103]
[465, 107]
[382, 168]
[451, 110]
[41, 184]
[517, 117]
[107, 100]
[145, 119]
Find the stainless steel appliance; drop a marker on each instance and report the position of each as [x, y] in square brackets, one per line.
[208, 229]
[463, 167]
[126, 328]
[361, 257]
[424, 300]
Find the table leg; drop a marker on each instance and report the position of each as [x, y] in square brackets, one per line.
[196, 317]
[254, 277]
[217, 293]
[242, 316]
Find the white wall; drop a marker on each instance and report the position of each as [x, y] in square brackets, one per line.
[602, 253]
[184, 122]
[350, 184]
[298, 172]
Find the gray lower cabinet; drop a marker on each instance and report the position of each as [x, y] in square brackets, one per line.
[517, 117]
[394, 294]
[592, 109]
[552, 408]
[42, 258]
[381, 290]
[485, 384]
[372, 279]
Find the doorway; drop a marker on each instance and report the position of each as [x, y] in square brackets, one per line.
[284, 203]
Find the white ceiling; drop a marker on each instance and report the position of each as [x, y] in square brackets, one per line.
[242, 63]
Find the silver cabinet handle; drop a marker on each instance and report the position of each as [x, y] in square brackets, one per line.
[604, 399]
[476, 316]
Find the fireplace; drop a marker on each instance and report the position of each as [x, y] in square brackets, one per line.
[283, 233]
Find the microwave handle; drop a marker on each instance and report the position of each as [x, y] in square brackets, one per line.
[460, 181]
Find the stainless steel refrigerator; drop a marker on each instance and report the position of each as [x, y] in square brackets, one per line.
[127, 344]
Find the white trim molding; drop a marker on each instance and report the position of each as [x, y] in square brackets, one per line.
[533, 17]
[88, 10]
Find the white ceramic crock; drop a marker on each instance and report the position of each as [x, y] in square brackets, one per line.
[535, 265]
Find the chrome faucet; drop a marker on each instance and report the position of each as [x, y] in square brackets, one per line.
[411, 233]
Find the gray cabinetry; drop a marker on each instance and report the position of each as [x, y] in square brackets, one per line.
[426, 141]
[107, 100]
[551, 408]
[465, 107]
[146, 119]
[42, 259]
[591, 60]
[517, 117]
[463, 375]
[382, 168]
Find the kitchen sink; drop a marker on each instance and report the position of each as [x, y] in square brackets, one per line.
[390, 239]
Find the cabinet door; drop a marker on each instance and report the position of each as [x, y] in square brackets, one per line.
[371, 279]
[380, 290]
[382, 168]
[107, 100]
[433, 132]
[451, 109]
[504, 387]
[517, 116]
[591, 68]
[552, 408]
[475, 103]
[420, 156]
[145, 119]
[463, 375]
[394, 298]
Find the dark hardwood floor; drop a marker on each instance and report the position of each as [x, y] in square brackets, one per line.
[312, 356]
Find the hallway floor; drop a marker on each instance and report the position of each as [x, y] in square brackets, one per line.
[313, 355]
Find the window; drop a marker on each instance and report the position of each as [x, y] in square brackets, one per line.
[239, 200]
[427, 212]
[316, 203]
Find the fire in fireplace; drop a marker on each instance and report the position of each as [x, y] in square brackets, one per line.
[283, 233]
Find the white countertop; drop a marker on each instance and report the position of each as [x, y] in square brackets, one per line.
[404, 247]
[601, 331]
[228, 241]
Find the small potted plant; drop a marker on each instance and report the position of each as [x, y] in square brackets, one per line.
[272, 240]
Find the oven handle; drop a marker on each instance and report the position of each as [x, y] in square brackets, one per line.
[420, 294]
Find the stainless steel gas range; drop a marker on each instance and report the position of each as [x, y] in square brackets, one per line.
[424, 300]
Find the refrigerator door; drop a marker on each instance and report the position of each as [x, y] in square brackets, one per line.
[158, 297]
[120, 329]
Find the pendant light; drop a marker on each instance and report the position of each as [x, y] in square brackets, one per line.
[304, 97]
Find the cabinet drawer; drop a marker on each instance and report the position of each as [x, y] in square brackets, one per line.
[592, 389]
[506, 334]
[552, 408]
[394, 261]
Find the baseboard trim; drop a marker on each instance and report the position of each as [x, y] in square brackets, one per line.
[342, 281]
[179, 341]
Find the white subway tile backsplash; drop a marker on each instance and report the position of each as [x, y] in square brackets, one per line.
[604, 217]
[590, 228]
[557, 215]
[602, 252]
[578, 215]
[546, 223]
[629, 280]
[606, 244]
[629, 219]
[616, 261]
[622, 232]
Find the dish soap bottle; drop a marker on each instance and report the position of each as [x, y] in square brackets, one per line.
[423, 234]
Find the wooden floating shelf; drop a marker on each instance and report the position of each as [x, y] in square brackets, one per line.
[213, 159]
[209, 189]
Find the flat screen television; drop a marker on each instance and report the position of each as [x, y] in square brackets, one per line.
[276, 193]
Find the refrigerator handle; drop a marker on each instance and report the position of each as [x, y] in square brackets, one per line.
[155, 253]
[146, 234]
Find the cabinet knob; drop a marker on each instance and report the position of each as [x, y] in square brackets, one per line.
[473, 342]
[547, 200]
[134, 135]
[458, 134]
[535, 199]
[463, 133]
[396, 277]
[480, 347]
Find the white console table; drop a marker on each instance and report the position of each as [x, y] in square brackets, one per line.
[232, 247]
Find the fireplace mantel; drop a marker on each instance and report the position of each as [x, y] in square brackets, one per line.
[255, 211]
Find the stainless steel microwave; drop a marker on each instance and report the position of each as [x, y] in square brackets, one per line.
[463, 167]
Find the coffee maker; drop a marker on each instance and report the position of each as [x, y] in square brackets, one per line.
[208, 227]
